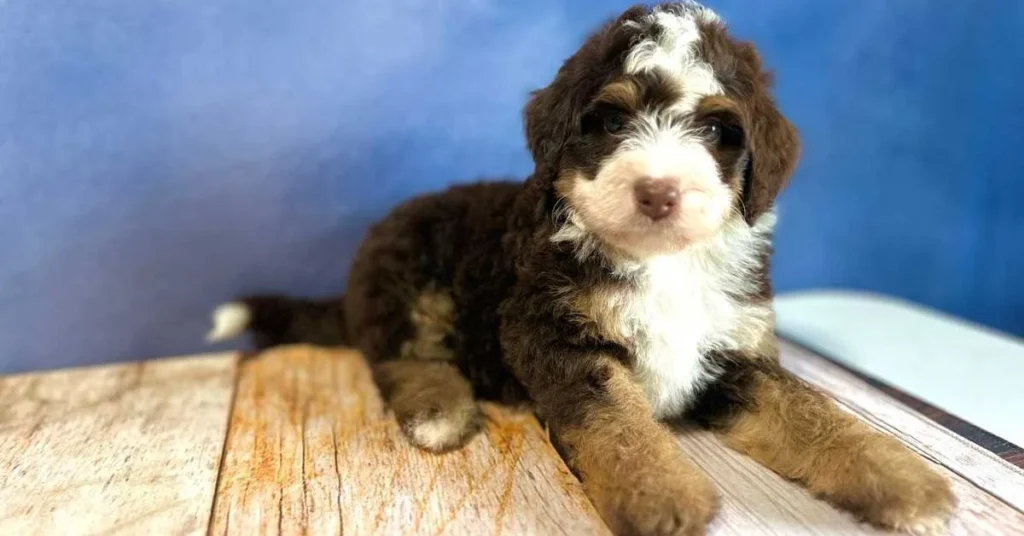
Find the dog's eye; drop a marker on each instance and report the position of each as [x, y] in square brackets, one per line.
[714, 131]
[604, 119]
[724, 134]
[614, 122]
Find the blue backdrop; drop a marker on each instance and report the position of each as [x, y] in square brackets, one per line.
[159, 157]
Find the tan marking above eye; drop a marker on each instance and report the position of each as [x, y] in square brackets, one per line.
[623, 93]
[642, 91]
[718, 104]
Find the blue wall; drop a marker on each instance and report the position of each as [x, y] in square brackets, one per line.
[159, 157]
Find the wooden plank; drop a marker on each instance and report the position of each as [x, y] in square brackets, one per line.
[311, 450]
[972, 463]
[122, 449]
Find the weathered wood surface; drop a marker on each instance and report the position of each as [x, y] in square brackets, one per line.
[124, 449]
[311, 449]
[135, 449]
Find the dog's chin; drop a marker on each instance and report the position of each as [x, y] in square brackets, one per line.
[643, 241]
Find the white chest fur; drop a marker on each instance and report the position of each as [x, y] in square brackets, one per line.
[673, 320]
[685, 306]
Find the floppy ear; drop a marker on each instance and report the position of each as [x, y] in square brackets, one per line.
[548, 120]
[552, 115]
[774, 151]
[773, 144]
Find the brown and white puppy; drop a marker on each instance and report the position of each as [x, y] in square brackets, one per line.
[624, 284]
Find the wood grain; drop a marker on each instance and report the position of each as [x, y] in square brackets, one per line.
[311, 450]
[135, 449]
[124, 449]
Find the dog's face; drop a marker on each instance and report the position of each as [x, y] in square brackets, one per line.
[659, 131]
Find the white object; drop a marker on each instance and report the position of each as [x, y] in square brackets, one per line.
[229, 321]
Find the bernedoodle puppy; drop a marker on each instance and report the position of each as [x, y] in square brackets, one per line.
[623, 285]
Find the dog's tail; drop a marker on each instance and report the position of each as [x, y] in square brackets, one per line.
[277, 320]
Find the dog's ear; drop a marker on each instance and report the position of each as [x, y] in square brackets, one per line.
[552, 114]
[548, 120]
[774, 150]
[773, 143]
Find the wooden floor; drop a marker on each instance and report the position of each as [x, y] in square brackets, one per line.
[296, 440]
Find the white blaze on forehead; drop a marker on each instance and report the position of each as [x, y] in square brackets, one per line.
[672, 51]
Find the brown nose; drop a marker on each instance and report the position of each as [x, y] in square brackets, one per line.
[656, 198]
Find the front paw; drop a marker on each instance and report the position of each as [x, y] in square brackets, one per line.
[919, 502]
[908, 497]
[657, 504]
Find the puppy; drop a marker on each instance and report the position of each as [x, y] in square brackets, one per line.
[623, 285]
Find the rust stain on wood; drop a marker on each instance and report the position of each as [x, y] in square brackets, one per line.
[312, 450]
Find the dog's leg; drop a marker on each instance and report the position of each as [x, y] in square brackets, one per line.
[432, 401]
[630, 465]
[799, 433]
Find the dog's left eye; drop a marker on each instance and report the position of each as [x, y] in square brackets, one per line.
[724, 134]
[614, 123]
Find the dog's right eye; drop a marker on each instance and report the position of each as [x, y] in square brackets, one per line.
[614, 123]
[604, 120]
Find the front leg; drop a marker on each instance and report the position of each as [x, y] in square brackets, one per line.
[630, 465]
[774, 417]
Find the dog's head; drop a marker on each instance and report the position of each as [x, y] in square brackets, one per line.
[659, 132]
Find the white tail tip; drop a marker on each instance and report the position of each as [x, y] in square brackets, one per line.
[229, 321]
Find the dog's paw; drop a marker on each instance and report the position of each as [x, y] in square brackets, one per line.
[912, 500]
[922, 503]
[442, 428]
[926, 527]
[651, 505]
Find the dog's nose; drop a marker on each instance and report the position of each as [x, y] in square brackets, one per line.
[656, 198]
